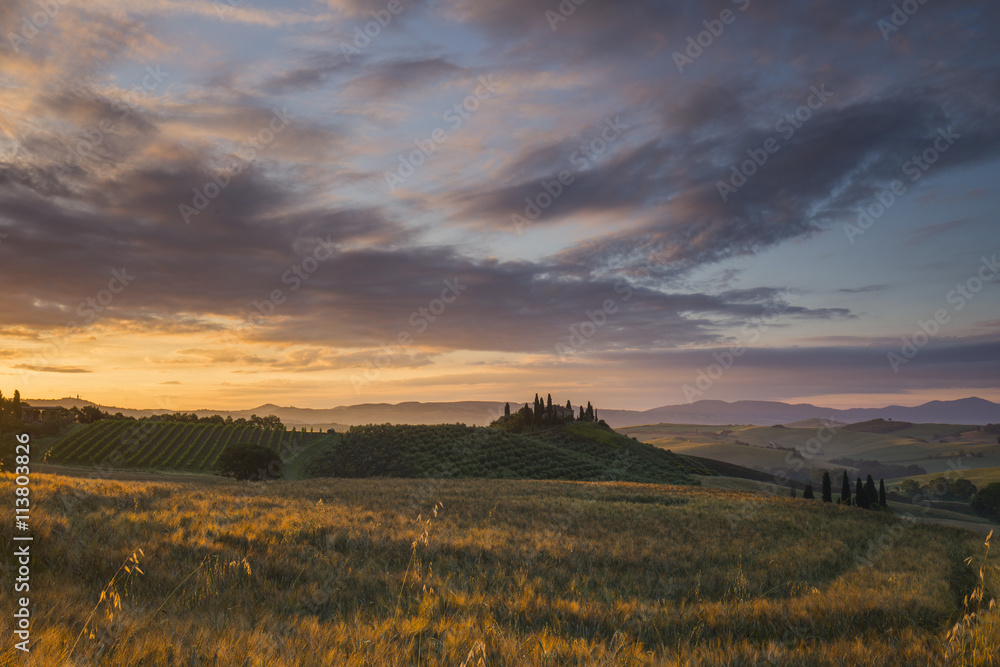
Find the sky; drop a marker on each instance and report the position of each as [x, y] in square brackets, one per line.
[225, 203]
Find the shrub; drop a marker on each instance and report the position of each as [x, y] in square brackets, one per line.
[246, 461]
[986, 502]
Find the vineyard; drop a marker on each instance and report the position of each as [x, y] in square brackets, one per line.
[573, 452]
[152, 445]
[584, 452]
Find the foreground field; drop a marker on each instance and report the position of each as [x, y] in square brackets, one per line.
[485, 572]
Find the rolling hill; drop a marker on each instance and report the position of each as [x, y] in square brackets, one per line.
[938, 448]
[481, 413]
[579, 451]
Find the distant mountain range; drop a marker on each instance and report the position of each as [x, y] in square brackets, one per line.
[766, 413]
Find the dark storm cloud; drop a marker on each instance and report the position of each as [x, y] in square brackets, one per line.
[68, 230]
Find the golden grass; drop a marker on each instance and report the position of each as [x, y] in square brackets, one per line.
[364, 572]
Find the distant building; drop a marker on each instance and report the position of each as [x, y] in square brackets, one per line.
[42, 415]
[562, 412]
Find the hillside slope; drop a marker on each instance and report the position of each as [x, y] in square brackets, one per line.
[573, 451]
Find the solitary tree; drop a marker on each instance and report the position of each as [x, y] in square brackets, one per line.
[870, 492]
[881, 492]
[827, 487]
[808, 493]
[845, 491]
[246, 461]
[506, 410]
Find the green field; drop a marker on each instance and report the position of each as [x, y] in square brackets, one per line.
[935, 447]
[978, 476]
[579, 451]
[149, 445]
[486, 572]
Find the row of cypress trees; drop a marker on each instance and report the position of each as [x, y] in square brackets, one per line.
[865, 494]
[543, 414]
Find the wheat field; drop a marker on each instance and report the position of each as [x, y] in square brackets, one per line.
[489, 572]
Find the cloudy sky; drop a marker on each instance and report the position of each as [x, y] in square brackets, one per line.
[221, 204]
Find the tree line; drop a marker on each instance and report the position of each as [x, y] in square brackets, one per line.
[865, 494]
[89, 414]
[543, 414]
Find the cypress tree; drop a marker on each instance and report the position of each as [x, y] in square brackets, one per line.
[16, 405]
[590, 412]
[871, 494]
[845, 491]
[827, 487]
[506, 410]
[808, 493]
[860, 499]
[581, 414]
[881, 493]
